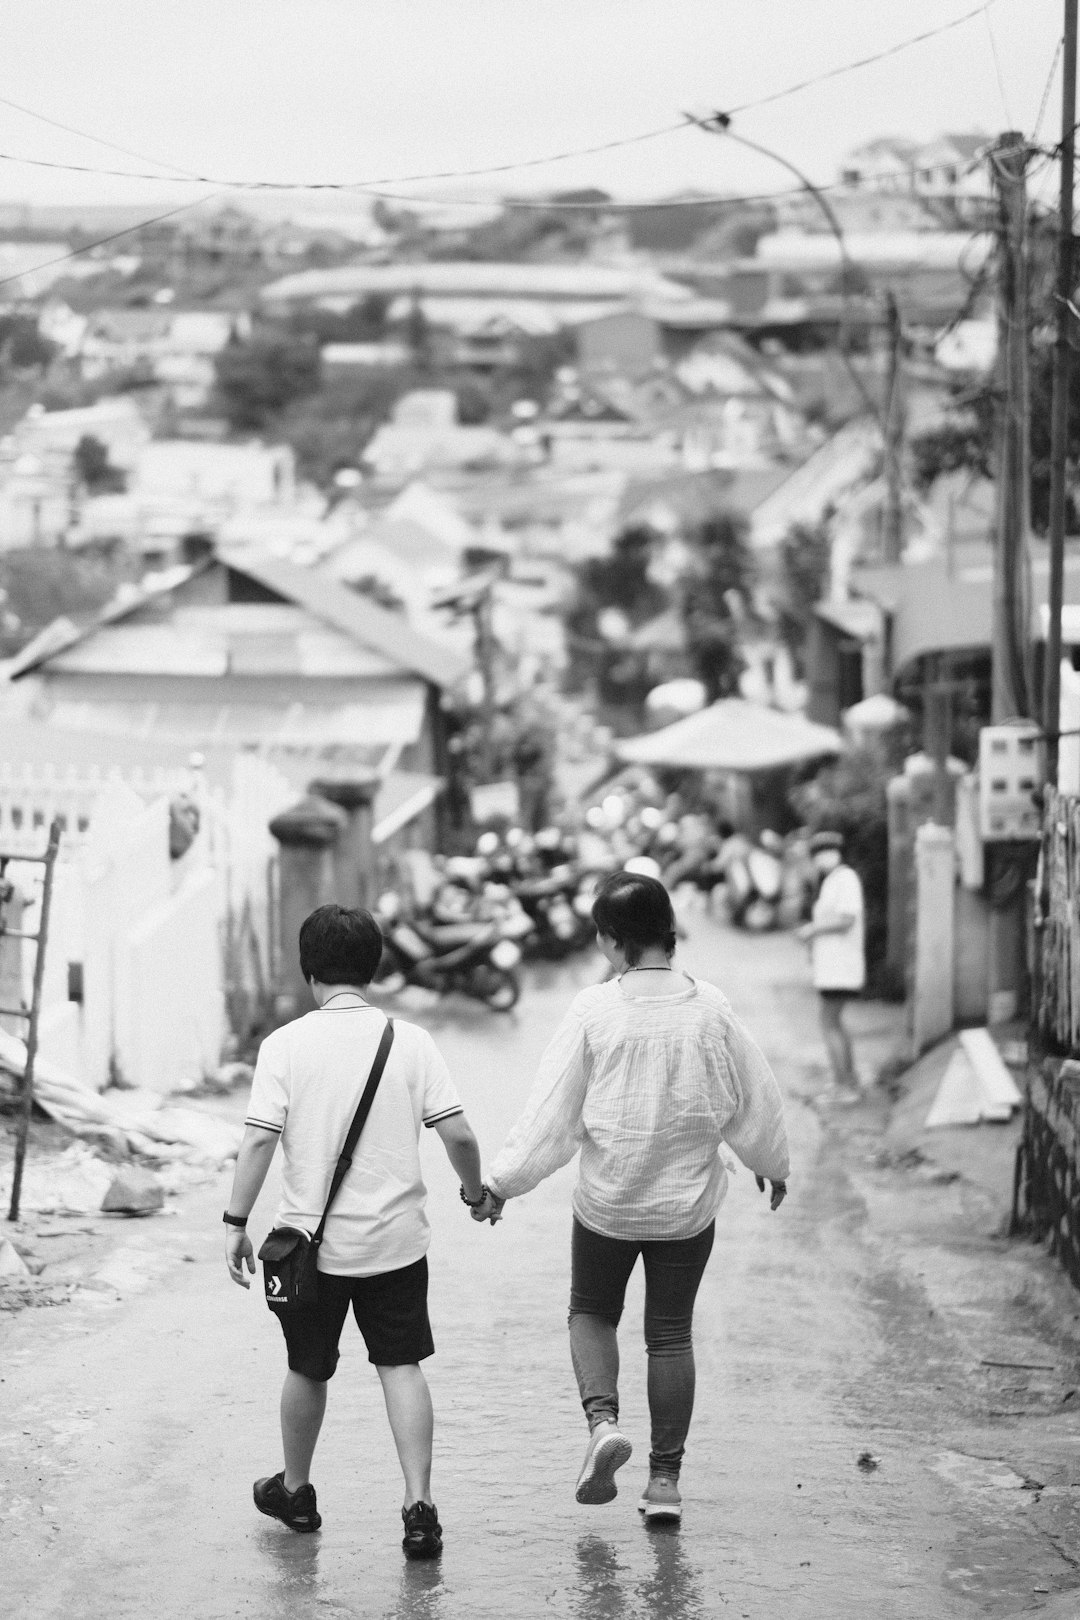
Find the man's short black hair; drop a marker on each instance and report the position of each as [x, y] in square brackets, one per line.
[340, 945]
[635, 911]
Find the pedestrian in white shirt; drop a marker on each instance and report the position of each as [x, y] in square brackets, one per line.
[835, 935]
[647, 1075]
[308, 1081]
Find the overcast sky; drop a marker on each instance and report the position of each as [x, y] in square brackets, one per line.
[356, 89]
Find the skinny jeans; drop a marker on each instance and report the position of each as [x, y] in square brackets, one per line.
[600, 1271]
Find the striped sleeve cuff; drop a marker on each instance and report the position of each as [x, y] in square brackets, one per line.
[264, 1125]
[447, 1113]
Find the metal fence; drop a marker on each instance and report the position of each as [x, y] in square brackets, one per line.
[1048, 1166]
[1058, 924]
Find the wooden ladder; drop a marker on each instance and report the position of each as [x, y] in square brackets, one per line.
[33, 1013]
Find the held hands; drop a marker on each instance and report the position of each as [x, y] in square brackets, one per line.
[779, 1191]
[490, 1209]
[238, 1254]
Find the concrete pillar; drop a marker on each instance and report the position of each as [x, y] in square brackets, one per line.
[307, 832]
[901, 856]
[354, 854]
[932, 987]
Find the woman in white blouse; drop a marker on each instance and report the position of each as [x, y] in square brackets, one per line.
[647, 1075]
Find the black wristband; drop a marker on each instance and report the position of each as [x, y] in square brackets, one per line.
[474, 1203]
[234, 1220]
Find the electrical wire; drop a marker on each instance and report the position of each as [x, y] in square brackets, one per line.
[1043, 104]
[99, 140]
[865, 61]
[185, 176]
[720, 124]
[997, 67]
[182, 174]
[103, 241]
[543, 204]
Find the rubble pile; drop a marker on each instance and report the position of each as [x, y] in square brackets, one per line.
[136, 1122]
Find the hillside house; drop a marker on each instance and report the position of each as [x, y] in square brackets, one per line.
[951, 174]
[39, 497]
[248, 653]
[423, 432]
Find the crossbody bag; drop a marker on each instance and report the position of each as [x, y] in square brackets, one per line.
[290, 1259]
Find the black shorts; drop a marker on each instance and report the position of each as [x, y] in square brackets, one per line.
[391, 1312]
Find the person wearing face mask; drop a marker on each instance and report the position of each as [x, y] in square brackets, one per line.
[835, 935]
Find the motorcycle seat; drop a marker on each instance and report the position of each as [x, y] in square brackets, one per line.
[449, 935]
[540, 888]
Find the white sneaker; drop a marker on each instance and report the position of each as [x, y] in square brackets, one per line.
[608, 1450]
[661, 1500]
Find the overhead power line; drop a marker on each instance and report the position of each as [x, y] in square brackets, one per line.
[103, 241]
[1003, 93]
[181, 174]
[865, 61]
[99, 140]
[1047, 89]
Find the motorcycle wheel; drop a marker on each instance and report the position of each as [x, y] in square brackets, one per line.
[498, 988]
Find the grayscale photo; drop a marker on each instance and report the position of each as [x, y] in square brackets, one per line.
[539, 810]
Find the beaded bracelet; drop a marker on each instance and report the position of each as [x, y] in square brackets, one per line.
[474, 1203]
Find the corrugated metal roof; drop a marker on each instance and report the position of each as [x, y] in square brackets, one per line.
[388, 712]
[216, 641]
[388, 640]
[359, 617]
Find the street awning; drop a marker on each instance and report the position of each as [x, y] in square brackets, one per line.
[733, 735]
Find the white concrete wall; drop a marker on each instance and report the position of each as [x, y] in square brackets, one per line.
[170, 1007]
[146, 930]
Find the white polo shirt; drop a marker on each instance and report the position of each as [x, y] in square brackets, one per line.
[839, 960]
[309, 1078]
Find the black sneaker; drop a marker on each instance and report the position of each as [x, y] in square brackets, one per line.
[295, 1508]
[423, 1532]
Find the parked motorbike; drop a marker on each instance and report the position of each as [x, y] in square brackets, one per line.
[559, 905]
[477, 959]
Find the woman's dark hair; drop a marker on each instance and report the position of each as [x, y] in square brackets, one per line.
[635, 911]
[340, 945]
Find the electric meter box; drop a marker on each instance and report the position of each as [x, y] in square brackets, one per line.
[1012, 769]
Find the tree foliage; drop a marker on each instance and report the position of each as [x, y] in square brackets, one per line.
[365, 322]
[22, 347]
[42, 584]
[261, 376]
[93, 469]
[330, 428]
[967, 439]
[805, 561]
[711, 593]
[621, 581]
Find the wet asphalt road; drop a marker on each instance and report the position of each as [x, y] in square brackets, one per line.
[134, 1420]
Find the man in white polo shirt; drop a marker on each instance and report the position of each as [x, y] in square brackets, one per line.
[308, 1081]
[835, 935]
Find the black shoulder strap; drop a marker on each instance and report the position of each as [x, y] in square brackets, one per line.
[362, 1112]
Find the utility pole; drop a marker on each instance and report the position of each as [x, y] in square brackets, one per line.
[1011, 644]
[1059, 430]
[1011, 694]
[893, 426]
[474, 597]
